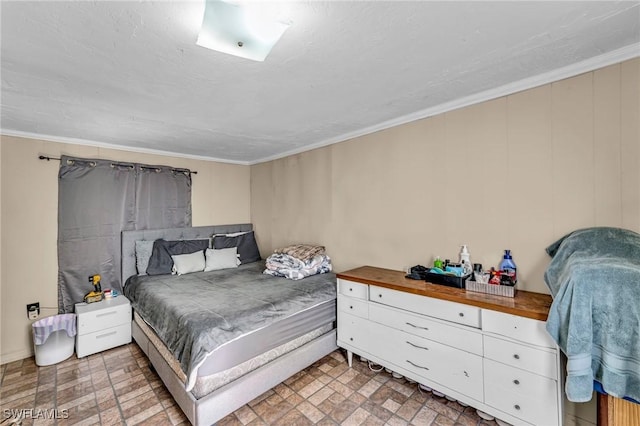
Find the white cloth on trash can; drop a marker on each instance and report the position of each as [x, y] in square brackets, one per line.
[44, 327]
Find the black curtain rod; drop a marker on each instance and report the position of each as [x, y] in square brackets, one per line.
[193, 172]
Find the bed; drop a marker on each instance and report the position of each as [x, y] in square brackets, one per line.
[594, 278]
[219, 339]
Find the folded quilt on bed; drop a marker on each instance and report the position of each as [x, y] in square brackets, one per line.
[195, 314]
[594, 277]
[303, 252]
[287, 266]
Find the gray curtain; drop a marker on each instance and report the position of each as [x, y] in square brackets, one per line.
[97, 200]
[163, 197]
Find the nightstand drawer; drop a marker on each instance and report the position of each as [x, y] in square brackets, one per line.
[106, 316]
[104, 339]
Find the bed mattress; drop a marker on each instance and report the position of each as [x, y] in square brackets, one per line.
[213, 321]
[204, 385]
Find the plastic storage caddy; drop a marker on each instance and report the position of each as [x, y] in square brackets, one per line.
[54, 338]
[448, 280]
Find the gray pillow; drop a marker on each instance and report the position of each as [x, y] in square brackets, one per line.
[246, 243]
[161, 263]
[143, 253]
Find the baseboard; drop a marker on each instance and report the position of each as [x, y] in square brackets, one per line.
[570, 420]
[15, 356]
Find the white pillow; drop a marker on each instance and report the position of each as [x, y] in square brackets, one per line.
[143, 253]
[221, 259]
[187, 263]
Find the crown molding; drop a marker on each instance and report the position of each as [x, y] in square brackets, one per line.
[628, 52]
[86, 142]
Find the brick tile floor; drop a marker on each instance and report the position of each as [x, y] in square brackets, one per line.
[117, 387]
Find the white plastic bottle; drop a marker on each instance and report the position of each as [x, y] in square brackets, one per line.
[465, 260]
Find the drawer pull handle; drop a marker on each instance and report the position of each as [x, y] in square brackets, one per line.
[417, 346]
[106, 313]
[417, 326]
[351, 307]
[516, 382]
[517, 407]
[416, 365]
[350, 289]
[461, 314]
[106, 335]
[351, 338]
[380, 295]
[516, 356]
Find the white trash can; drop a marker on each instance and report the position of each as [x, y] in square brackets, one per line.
[54, 338]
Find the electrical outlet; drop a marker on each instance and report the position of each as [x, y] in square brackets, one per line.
[33, 310]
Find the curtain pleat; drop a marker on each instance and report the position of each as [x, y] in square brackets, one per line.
[163, 197]
[97, 200]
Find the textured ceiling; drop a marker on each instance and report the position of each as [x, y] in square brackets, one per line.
[129, 74]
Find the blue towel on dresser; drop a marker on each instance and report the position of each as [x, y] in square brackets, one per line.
[597, 386]
[594, 278]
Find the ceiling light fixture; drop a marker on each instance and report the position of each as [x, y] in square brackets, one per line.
[239, 30]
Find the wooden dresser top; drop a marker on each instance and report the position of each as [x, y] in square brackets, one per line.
[525, 303]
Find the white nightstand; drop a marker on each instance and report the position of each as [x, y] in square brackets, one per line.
[103, 325]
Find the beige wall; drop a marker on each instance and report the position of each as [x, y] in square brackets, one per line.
[516, 172]
[29, 189]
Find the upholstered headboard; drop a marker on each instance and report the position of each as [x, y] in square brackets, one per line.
[129, 239]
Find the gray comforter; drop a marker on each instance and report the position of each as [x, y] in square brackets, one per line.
[594, 278]
[193, 314]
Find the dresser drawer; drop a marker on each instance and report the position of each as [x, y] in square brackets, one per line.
[523, 357]
[353, 332]
[453, 368]
[524, 395]
[459, 337]
[352, 289]
[106, 338]
[107, 316]
[523, 329]
[442, 309]
[357, 307]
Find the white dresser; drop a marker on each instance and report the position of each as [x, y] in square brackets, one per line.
[489, 352]
[103, 325]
